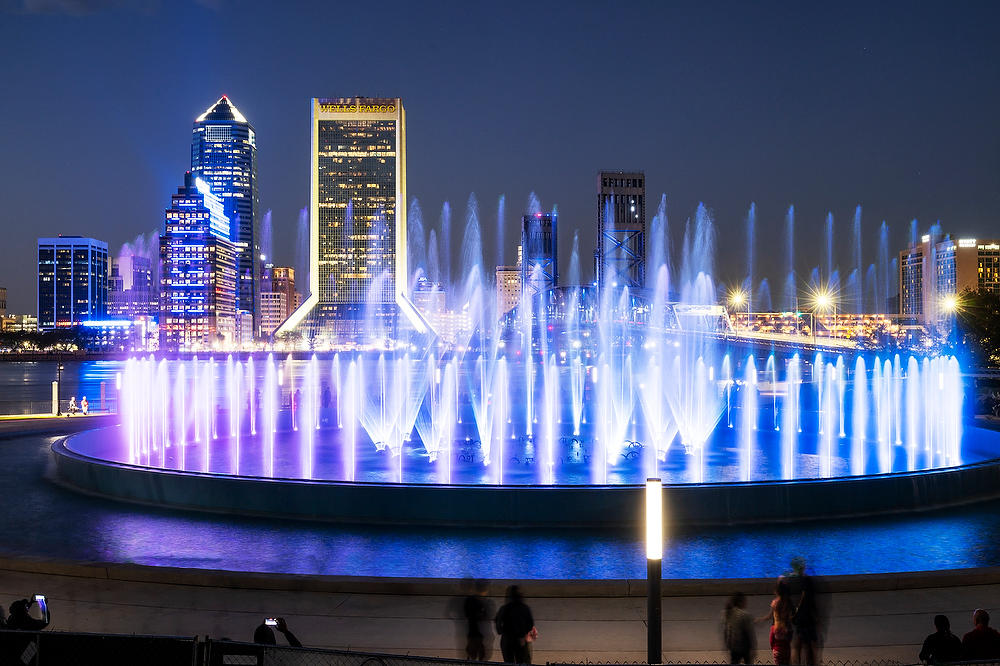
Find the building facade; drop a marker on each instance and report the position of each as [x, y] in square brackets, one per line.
[19, 323]
[620, 259]
[283, 282]
[224, 155]
[937, 268]
[508, 288]
[198, 274]
[273, 311]
[539, 252]
[357, 216]
[131, 293]
[72, 281]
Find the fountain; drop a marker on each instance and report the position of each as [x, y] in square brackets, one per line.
[556, 413]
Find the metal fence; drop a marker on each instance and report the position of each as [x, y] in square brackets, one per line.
[38, 648]
[44, 648]
[27, 407]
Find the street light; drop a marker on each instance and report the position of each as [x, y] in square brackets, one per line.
[654, 570]
[59, 369]
[823, 299]
[737, 299]
[950, 305]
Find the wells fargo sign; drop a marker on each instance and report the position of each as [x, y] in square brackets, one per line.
[358, 108]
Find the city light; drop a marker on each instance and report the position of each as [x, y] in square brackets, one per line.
[823, 299]
[950, 303]
[737, 298]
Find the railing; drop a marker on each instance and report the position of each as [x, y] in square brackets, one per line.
[48, 648]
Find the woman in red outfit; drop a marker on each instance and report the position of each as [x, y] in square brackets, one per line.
[782, 610]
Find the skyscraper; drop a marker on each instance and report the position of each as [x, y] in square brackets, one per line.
[357, 216]
[940, 268]
[620, 259]
[131, 292]
[72, 281]
[224, 155]
[198, 274]
[539, 256]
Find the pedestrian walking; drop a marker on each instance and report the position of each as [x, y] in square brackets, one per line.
[738, 631]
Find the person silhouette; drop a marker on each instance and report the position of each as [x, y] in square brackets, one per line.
[516, 627]
[942, 646]
[738, 631]
[983, 642]
[264, 635]
[21, 619]
[477, 611]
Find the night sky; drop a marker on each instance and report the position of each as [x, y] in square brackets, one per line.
[893, 106]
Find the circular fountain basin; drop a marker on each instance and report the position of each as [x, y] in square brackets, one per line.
[248, 475]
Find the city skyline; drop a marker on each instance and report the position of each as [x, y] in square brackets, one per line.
[872, 135]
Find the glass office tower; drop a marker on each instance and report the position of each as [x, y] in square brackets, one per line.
[357, 267]
[198, 272]
[224, 155]
[72, 281]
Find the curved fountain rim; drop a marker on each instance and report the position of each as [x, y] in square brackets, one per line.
[60, 447]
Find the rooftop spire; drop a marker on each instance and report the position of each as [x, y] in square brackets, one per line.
[222, 110]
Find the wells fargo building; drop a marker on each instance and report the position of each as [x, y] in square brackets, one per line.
[357, 213]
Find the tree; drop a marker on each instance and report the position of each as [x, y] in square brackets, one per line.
[977, 321]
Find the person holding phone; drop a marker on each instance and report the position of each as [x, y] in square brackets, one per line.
[20, 614]
[264, 633]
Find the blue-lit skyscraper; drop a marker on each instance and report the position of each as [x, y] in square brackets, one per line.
[224, 155]
[72, 281]
[198, 272]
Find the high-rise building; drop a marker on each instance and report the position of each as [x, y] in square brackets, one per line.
[283, 282]
[620, 259]
[357, 214]
[198, 274]
[539, 256]
[508, 288]
[72, 281]
[224, 155]
[278, 298]
[131, 293]
[273, 311]
[3, 301]
[936, 269]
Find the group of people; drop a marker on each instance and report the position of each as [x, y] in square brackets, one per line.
[982, 643]
[513, 623]
[82, 408]
[795, 622]
[794, 616]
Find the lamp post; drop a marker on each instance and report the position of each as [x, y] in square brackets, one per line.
[654, 570]
[822, 301]
[737, 299]
[950, 306]
[59, 369]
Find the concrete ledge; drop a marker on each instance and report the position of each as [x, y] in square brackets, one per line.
[520, 506]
